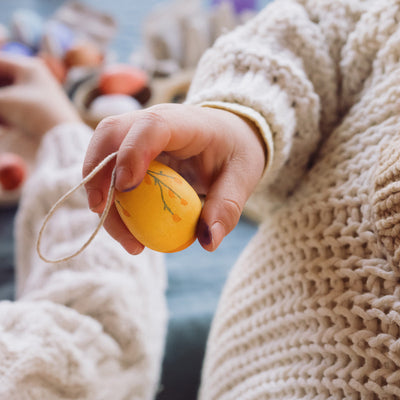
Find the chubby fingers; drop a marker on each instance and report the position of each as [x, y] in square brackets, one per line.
[234, 184]
[10, 66]
[139, 137]
[106, 139]
[182, 131]
[118, 230]
[15, 67]
[224, 204]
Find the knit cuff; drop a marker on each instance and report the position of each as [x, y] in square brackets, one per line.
[386, 201]
[253, 116]
[291, 116]
[254, 208]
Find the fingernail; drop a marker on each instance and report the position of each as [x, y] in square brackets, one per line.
[204, 233]
[95, 197]
[217, 233]
[131, 188]
[123, 179]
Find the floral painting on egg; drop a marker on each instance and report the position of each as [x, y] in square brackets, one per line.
[157, 177]
[164, 187]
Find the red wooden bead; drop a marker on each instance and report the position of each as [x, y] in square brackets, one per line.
[13, 171]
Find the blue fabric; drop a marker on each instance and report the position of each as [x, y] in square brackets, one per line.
[6, 253]
[196, 279]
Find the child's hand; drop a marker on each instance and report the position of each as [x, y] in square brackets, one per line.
[219, 153]
[31, 100]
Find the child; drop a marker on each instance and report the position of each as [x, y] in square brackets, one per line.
[302, 101]
[311, 309]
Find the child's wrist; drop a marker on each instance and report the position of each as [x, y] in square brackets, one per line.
[256, 122]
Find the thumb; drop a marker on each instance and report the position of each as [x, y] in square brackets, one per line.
[223, 207]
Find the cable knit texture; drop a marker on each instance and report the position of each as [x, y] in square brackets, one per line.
[91, 328]
[311, 310]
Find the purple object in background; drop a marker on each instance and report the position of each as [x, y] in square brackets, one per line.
[239, 5]
[57, 38]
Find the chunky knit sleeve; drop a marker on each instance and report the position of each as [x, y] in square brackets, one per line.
[385, 198]
[285, 70]
[89, 328]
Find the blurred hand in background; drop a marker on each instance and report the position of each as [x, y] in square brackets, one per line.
[31, 100]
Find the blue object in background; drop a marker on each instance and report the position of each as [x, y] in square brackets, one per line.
[17, 48]
[129, 15]
[62, 37]
[196, 277]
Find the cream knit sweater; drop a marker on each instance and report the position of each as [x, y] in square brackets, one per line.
[92, 328]
[311, 310]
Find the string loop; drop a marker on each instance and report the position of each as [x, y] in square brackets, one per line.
[103, 216]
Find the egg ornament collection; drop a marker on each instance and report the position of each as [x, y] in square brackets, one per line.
[74, 44]
[60, 45]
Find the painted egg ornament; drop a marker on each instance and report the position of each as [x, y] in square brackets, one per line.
[122, 79]
[112, 104]
[163, 211]
[83, 55]
[13, 171]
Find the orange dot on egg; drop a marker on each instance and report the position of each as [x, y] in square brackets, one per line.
[176, 218]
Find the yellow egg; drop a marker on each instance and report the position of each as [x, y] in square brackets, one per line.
[162, 212]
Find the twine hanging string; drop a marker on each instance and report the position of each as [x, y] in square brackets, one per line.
[66, 196]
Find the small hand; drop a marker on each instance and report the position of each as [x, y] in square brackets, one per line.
[31, 100]
[218, 152]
